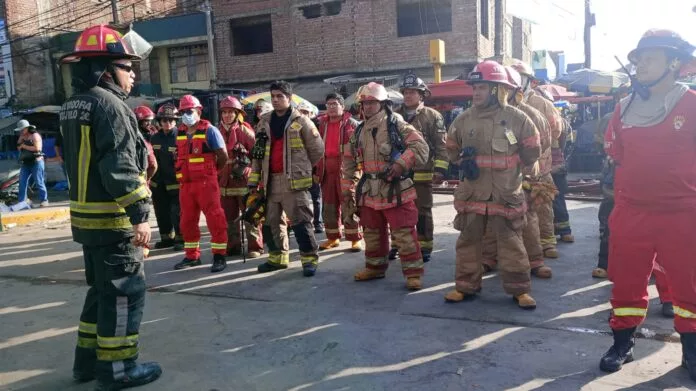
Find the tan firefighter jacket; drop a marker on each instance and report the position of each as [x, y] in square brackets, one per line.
[431, 125]
[543, 166]
[546, 108]
[371, 150]
[505, 140]
[302, 149]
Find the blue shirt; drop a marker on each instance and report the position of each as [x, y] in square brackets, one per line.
[213, 138]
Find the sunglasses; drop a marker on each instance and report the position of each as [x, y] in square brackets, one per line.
[127, 68]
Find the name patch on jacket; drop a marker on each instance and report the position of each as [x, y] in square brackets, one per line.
[76, 109]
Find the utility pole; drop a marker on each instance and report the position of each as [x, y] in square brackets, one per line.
[589, 22]
[211, 45]
[114, 11]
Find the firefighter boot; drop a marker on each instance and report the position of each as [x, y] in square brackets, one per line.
[668, 310]
[356, 246]
[598, 272]
[454, 296]
[254, 254]
[139, 375]
[414, 283]
[551, 253]
[187, 263]
[393, 253]
[542, 272]
[621, 352]
[688, 341]
[309, 269]
[525, 301]
[165, 243]
[270, 267]
[368, 274]
[219, 263]
[567, 238]
[426, 255]
[178, 243]
[329, 243]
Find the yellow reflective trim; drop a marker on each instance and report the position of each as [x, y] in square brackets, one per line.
[422, 176]
[171, 149]
[172, 187]
[233, 192]
[117, 342]
[304, 182]
[92, 40]
[190, 244]
[296, 142]
[133, 197]
[279, 258]
[117, 355]
[196, 160]
[628, 311]
[442, 164]
[181, 138]
[684, 313]
[156, 147]
[87, 343]
[96, 207]
[199, 136]
[426, 244]
[179, 175]
[218, 246]
[87, 328]
[311, 259]
[153, 185]
[109, 38]
[101, 223]
[83, 158]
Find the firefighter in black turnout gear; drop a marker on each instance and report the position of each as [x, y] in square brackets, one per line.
[106, 158]
[164, 186]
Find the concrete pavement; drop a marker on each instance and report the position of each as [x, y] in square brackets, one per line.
[239, 330]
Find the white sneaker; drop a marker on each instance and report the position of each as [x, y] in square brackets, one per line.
[43, 204]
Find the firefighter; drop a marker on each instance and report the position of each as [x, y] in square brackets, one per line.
[201, 154]
[387, 148]
[336, 127]
[144, 115]
[537, 190]
[431, 125]
[491, 142]
[545, 211]
[287, 148]
[106, 159]
[164, 186]
[650, 139]
[315, 191]
[605, 208]
[239, 138]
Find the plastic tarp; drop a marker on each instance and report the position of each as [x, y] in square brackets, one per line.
[451, 89]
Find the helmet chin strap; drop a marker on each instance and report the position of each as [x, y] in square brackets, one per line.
[643, 89]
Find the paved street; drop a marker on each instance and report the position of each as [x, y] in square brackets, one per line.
[239, 330]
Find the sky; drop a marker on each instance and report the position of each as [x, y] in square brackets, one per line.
[558, 25]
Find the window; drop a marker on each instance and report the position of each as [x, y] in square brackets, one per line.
[252, 35]
[188, 63]
[485, 10]
[333, 7]
[311, 11]
[419, 17]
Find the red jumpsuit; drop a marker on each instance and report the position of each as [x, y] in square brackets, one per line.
[199, 192]
[233, 189]
[654, 215]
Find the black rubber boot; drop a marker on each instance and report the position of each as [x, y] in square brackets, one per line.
[269, 267]
[393, 253]
[688, 341]
[164, 243]
[219, 263]
[668, 310]
[187, 263]
[139, 375]
[621, 352]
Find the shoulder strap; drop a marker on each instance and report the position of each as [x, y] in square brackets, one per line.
[394, 136]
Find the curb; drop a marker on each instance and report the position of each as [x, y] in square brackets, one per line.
[33, 216]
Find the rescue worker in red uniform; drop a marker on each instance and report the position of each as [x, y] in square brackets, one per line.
[144, 115]
[336, 127]
[651, 141]
[491, 142]
[545, 210]
[201, 153]
[387, 148]
[536, 190]
[106, 160]
[239, 138]
[288, 146]
[164, 186]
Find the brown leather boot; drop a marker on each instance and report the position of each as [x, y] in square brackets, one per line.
[568, 238]
[368, 274]
[413, 283]
[525, 301]
[598, 272]
[327, 244]
[542, 272]
[551, 253]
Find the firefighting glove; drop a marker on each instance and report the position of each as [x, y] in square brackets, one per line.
[395, 171]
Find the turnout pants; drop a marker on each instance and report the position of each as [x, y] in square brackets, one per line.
[402, 220]
[167, 210]
[638, 239]
[512, 257]
[425, 226]
[197, 197]
[107, 338]
[561, 219]
[605, 208]
[545, 213]
[530, 237]
[233, 206]
[297, 205]
[315, 192]
[331, 193]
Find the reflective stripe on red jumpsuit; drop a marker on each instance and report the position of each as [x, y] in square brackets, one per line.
[654, 218]
[199, 192]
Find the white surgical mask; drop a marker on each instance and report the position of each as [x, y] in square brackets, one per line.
[189, 119]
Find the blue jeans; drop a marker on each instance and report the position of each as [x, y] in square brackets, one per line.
[35, 170]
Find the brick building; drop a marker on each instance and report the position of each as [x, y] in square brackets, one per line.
[310, 40]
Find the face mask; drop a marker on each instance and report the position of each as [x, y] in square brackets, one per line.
[189, 119]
